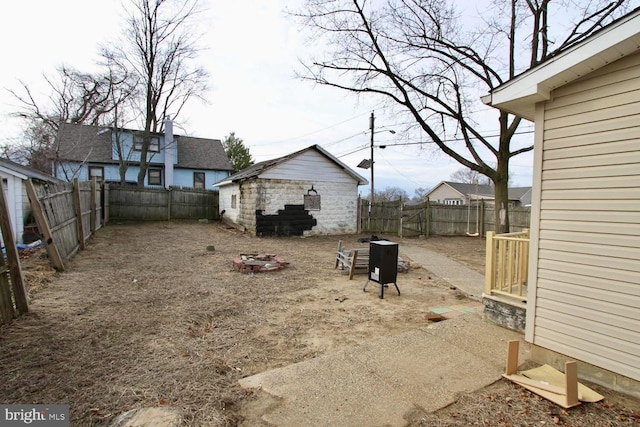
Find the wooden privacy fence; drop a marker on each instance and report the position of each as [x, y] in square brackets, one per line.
[67, 214]
[507, 262]
[426, 218]
[13, 294]
[159, 204]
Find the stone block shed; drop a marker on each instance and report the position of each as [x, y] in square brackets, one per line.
[309, 192]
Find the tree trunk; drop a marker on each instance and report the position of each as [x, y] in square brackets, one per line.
[502, 204]
[142, 172]
[143, 158]
[123, 172]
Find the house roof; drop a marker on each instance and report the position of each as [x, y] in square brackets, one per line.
[614, 41]
[84, 143]
[201, 153]
[25, 172]
[257, 169]
[484, 191]
[520, 193]
[466, 189]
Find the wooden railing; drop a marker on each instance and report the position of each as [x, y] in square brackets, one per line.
[507, 264]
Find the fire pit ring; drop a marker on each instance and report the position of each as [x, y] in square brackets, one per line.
[259, 262]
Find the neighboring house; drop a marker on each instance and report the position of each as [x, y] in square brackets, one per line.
[520, 196]
[174, 160]
[458, 193]
[14, 177]
[304, 193]
[583, 299]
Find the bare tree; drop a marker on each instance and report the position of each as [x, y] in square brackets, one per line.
[470, 176]
[122, 95]
[75, 97]
[390, 194]
[31, 148]
[160, 48]
[420, 193]
[417, 55]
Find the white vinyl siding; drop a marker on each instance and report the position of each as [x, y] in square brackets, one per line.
[229, 198]
[587, 302]
[309, 166]
[444, 193]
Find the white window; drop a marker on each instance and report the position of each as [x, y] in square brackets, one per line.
[154, 176]
[154, 144]
[198, 180]
[97, 171]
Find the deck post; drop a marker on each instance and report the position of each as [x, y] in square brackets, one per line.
[489, 275]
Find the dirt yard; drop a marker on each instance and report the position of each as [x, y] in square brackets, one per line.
[148, 316]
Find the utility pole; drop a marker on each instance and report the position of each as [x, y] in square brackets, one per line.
[371, 126]
[368, 163]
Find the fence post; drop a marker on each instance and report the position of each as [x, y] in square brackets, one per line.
[105, 203]
[7, 311]
[427, 219]
[43, 225]
[358, 215]
[490, 265]
[78, 206]
[481, 219]
[401, 219]
[17, 281]
[169, 204]
[92, 222]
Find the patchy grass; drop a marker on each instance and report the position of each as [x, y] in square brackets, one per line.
[147, 316]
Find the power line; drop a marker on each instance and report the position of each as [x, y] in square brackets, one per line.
[318, 130]
[343, 139]
[400, 173]
[362, 147]
[357, 116]
[421, 142]
[449, 140]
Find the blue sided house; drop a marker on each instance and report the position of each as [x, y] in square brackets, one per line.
[84, 152]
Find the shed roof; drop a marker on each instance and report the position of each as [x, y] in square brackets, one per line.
[256, 170]
[25, 172]
[85, 143]
[614, 41]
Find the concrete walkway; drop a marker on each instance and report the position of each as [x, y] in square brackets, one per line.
[462, 277]
[380, 383]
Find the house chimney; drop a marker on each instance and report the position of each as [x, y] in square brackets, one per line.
[169, 148]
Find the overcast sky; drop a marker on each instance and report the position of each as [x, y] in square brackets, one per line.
[252, 51]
